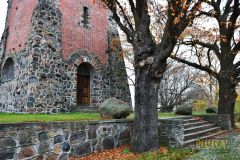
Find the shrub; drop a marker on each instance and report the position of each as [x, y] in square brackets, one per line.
[199, 105]
[211, 110]
[237, 117]
[238, 98]
[184, 110]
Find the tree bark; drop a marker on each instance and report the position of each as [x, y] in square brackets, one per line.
[227, 98]
[145, 130]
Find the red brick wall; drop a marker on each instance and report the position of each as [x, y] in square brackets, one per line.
[74, 36]
[19, 24]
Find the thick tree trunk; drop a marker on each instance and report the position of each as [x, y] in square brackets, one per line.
[145, 130]
[227, 98]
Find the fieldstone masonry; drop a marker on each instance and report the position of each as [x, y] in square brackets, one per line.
[221, 120]
[60, 140]
[45, 82]
[171, 132]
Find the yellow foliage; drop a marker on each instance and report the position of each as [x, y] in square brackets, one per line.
[238, 98]
[200, 105]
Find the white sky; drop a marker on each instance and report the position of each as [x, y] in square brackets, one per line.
[3, 12]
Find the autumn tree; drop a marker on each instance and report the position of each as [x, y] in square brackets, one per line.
[220, 42]
[177, 87]
[150, 58]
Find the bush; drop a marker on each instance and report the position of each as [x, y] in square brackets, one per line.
[237, 117]
[184, 110]
[238, 98]
[211, 110]
[200, 105]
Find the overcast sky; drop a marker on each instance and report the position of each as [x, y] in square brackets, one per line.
[3, 11]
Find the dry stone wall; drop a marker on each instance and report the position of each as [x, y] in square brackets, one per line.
[60, 140]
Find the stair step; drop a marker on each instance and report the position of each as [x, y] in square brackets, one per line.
[199, 133]
[198, 128]
[184, 117]
[188, 125]
[192, 120]
[191, 141]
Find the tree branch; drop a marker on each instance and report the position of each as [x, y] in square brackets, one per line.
[125, 16]
[210, 46]
[134, 11]
[127, 31]
[236, 48]
[227, 7]
[236, 65]
[113, 9]
[195, 65]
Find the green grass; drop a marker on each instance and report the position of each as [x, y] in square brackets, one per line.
[160, 115]
[163, 115]
[13, 118]
[237, 107]
[202, 113]
[165, 153]
[16, 118]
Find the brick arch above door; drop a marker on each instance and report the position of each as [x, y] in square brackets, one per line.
[80, 56]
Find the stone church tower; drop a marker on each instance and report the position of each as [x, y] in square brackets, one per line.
[57, 56]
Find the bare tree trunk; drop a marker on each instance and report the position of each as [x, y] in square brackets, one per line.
[145, 130]
[227, 98]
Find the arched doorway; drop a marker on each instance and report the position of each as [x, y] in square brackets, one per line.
[83, 85]
[8, 70]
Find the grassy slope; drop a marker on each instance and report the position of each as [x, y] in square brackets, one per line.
[237, 107]
[11, 118]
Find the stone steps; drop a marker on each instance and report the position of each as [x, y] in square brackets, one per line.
[197, 134]
[189, 125]
[192, 120]
[196, 128]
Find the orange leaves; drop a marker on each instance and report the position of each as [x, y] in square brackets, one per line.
[163, 150]
[115, 43]
[121, 153]
[113, 154]
[176, 20]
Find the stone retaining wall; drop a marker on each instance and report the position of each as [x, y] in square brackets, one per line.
[171, 132]
[60, 140]
[221, 120]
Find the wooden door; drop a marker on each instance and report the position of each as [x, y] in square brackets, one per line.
[83, 90]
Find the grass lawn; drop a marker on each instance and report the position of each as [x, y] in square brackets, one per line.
[237, 107]
[12, 118]
[15, 118]
[168, 154]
